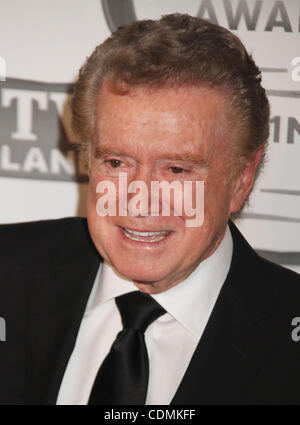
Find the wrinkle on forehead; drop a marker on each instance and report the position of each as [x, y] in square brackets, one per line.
[157, 109]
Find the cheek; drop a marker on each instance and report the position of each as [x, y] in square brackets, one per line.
[100, 228]
[93, 182]
[91, 195]
[217, 213]
[193, 246]
[218, 188]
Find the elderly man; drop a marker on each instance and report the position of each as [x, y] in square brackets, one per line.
[135, 306]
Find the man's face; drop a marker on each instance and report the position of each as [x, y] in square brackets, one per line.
[161, 135]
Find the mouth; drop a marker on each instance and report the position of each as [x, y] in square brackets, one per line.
[145, 236]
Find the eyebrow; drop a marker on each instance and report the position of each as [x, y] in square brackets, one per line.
[185, 157]
[191, 158]
[101, 151]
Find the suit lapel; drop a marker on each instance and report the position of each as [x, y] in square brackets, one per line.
[56, 310]
[238, 337]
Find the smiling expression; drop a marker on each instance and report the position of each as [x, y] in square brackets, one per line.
[163, 134]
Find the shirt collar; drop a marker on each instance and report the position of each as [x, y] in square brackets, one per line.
[190, 302]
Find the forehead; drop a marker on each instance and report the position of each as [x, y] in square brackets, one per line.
[171, 116]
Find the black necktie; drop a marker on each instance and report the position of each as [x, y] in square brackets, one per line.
[123, 376]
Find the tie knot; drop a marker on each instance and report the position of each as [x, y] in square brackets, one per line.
[138, 310]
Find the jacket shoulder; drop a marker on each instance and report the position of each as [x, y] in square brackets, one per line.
[261, 276]
[285, 282]
[34, 228]
[30, 250]
[31, 239]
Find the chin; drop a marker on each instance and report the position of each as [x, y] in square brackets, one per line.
[140, 274]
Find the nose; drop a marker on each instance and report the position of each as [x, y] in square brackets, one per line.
[139, 192]
[143, 173]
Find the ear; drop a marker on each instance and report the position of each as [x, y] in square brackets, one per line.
[244, 182]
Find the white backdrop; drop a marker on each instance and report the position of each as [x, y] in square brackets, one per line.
[43, 44]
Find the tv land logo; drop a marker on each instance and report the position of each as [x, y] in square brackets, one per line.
[35, 138]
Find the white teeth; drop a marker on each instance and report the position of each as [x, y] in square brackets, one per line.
[134, 232]
[145, 236]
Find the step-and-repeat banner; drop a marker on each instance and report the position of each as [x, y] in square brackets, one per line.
[43, 44]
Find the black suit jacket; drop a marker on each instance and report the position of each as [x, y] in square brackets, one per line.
[245, 356]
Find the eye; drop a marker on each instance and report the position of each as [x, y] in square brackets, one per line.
[114, 163]
[177, 170]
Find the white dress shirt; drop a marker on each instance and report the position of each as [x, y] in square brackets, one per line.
[171, 339]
